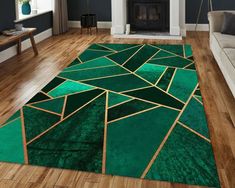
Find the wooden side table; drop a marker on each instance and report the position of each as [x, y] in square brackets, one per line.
[4, 40]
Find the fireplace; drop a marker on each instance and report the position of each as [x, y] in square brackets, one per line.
[149, 15]
[176, 18]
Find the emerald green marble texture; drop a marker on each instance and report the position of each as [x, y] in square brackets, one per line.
[156, 95]
[90, 54]
[141, 57]
[185, 158]
[177, 49]
[14, 116]
[125, 109]
[122, 83]
[163, 54]
[176, 62]
[166, 79]
[123, 56]
[76, 143]
[194, 117]
[150, 72]
[77, 101]
[69, 87]
[53, 105]
[39, 97]
[183, 84]
[98, 47]
[37, 121]
[114, 99]
[128, 108]
[91, 74]
[100, 62]
[54, 83]
[131, 142]
[119, 47]
[188, 50]
[11, 142]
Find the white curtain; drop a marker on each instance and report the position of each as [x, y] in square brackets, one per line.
[60, 16]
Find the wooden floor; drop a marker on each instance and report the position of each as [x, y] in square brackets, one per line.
[23, 76]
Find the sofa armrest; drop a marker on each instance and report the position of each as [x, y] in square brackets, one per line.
[216, 20]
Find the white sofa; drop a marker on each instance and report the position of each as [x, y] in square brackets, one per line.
[223, 48]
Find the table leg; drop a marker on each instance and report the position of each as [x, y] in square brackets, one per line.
[33, 44]
[19, 46]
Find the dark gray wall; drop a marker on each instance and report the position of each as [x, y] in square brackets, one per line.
[7, 14]
[192, 7]
[103, 9]
[100, 7]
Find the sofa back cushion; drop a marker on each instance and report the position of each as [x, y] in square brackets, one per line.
[228, 26]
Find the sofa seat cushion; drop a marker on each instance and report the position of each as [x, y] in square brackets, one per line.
[225, 41]
[230, 52]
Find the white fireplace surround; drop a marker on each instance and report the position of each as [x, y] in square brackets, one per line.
[177, 17]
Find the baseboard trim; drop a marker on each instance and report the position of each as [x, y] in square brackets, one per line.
[108, 25]
[12, 51]
[101, 25]
[200, 27]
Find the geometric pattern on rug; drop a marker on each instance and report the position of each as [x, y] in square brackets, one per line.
[122, 109]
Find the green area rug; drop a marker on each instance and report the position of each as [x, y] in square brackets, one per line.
[120, 109]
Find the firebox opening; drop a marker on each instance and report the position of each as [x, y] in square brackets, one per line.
[149, 15]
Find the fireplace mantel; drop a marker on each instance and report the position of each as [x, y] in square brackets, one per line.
[177, 17]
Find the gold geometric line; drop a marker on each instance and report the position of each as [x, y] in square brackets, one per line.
[189, 65]
[167, 135]
[138, 45]
[44, 110]
[163, 57]
[79, 70]
[149, 82]
[155, 103]
[101, 45]
[130, 115]
[90, 79]
[193, 131]
[46, 94]
[64, 106]
[130, 56]
[198, 100]
[57, 86]
[26, 160]
[96, 57]
[170, 52]
[120, 103]
[172, 78]
[169, 66]
[95, 87]
[5, 124]
[80, 60]
[158, 65]
[158, 80]
[105, 135]
[120, 50]
[147, 60]
[136, 89]
[127, 95]
[46, 100]
[53, 126]
[96, 50]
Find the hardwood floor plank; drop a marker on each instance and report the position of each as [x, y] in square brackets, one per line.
[21, 77]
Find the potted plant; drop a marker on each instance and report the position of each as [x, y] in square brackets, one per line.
[26, 7]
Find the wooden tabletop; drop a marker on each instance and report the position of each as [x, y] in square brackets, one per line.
[8, 39]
